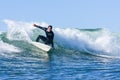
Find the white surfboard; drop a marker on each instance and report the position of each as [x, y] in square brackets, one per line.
[42, 46]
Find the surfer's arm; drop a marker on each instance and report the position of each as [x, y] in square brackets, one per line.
[43, 28]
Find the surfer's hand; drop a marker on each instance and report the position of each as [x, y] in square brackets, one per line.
[34, 25]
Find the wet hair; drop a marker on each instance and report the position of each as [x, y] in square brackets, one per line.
[50, 26]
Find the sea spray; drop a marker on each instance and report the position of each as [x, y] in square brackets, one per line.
[18, 30]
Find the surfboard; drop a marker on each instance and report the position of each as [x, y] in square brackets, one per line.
[42, 46]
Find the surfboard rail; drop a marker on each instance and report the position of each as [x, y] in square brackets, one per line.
[42, 46]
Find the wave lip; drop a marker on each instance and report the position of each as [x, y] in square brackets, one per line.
[8, 48]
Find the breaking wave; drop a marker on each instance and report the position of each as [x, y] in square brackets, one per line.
[93, 41]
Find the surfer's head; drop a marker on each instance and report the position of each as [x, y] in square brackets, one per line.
[49, 28]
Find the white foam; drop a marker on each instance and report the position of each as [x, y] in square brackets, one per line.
[72, 38]
[103, 42]
[4, 47]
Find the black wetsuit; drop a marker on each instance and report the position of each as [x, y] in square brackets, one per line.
[49, 36]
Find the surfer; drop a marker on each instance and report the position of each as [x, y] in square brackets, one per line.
[49, 35]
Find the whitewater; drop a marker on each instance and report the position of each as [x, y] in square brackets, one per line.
[89, 54]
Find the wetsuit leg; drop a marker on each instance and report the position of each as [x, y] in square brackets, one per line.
[44, 39]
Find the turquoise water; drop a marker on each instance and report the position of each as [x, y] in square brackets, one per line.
[79, 54]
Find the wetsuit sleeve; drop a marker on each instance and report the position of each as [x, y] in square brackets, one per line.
[43, 28]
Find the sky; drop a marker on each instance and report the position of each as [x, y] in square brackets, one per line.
[82, 14]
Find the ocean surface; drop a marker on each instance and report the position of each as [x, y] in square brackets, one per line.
[79, 54]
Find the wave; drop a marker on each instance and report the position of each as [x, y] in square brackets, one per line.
[93, 41]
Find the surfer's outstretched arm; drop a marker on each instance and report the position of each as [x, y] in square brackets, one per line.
[43, 28]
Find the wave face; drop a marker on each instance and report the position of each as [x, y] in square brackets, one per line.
[93, 41]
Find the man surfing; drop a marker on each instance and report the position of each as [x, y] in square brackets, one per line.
[49, 35]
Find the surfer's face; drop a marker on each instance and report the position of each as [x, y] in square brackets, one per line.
[49, 29]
